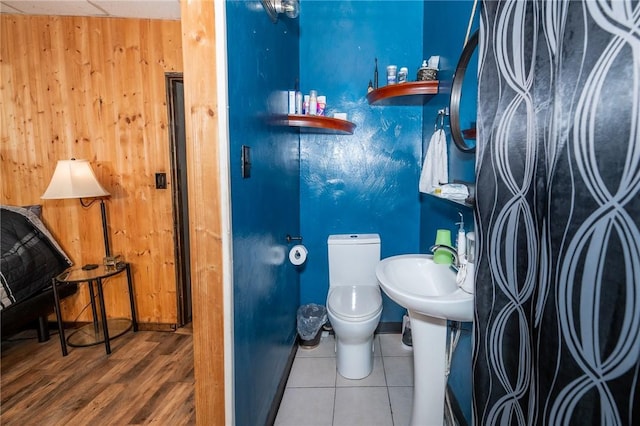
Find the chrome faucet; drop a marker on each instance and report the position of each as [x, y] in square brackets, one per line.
[456, 261]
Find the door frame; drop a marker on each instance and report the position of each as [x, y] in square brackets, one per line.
[206, 101]
[179, 194]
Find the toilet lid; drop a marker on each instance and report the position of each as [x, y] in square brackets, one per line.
[355, 302]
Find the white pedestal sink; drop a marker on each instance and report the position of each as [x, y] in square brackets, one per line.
[430, 293]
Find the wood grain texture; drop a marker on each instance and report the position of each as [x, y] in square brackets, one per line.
[198, 41]
[94, 88]
[147, 379]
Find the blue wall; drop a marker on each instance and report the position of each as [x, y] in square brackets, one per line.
[445, 36]
[318, 184]
[262, 63]
[368, 181]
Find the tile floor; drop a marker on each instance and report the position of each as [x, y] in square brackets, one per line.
[317, 395]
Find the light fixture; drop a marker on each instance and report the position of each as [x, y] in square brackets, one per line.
[274, 7]
[75, 179]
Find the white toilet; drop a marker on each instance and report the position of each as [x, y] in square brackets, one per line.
[354, 303]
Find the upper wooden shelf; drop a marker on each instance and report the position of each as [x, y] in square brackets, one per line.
[409, 93]
[319, 124]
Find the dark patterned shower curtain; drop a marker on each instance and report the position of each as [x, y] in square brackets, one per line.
[557, 330]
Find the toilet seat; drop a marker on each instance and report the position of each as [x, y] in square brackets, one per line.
[355, 303]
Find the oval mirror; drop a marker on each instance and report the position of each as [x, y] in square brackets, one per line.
[463, 122]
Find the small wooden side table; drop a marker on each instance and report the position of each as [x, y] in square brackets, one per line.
[100, 330]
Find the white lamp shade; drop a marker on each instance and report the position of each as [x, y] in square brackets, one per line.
[73, 179]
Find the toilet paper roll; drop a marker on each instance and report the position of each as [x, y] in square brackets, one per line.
[298, 254]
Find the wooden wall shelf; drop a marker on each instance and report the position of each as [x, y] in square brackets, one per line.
[319, 124]
[469, 133]
[409, 93]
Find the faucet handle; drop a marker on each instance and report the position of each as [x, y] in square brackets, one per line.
[445, 255]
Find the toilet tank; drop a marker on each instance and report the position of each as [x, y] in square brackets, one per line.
[353, 259]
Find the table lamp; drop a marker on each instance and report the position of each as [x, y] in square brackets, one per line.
[75, 179]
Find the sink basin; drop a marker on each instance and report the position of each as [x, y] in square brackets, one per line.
[415, 282]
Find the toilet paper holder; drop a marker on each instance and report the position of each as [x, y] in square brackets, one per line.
[290, 238]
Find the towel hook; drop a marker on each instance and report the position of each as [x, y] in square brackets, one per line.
[442, 113]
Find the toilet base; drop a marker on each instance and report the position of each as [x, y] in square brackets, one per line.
[354, 361]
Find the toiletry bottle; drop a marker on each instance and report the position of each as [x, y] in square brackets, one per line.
[322, 104]
[469, 283]
[461, 241]
[471, 247]
[305, 105]
[402, 75]
[392, 74]
[291, 102]
[298, 102]
[313, 102]
[375, 76]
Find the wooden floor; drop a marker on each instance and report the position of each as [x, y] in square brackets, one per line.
[148, 378]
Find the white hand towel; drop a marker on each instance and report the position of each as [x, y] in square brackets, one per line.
[454, 191]
[434, 169]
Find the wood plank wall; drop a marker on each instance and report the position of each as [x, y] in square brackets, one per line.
[94, 88]
[205, 209]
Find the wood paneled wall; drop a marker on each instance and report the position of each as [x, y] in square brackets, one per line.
[94, 88]
[205, 209]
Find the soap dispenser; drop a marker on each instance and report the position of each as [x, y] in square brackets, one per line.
[461, 241]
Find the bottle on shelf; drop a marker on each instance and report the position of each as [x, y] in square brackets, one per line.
[402, 75]
[392, 71]
[375, 76]
[322, 104]
[313, 102]
[298, 102]
[305, 105]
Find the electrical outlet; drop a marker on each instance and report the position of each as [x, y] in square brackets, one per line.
[161, 181]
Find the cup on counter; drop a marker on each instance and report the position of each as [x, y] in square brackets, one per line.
[443, 237]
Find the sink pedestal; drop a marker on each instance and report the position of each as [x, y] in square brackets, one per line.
[430, 293]
[429, 336]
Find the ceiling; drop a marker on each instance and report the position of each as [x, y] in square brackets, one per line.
[152, 9]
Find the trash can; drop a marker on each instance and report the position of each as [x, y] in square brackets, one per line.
[311, 317]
